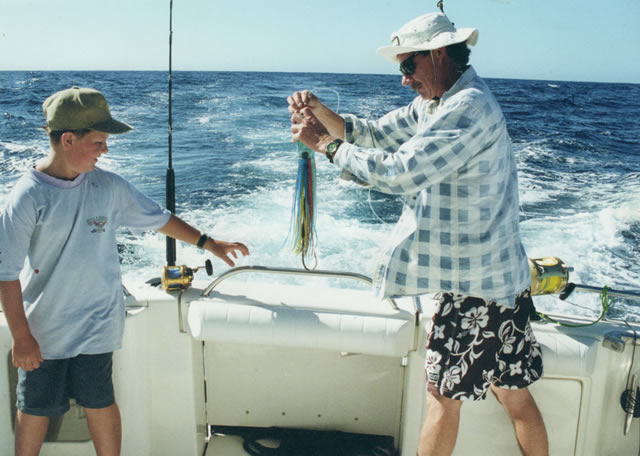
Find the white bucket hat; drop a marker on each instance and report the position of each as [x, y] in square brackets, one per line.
[424, 33]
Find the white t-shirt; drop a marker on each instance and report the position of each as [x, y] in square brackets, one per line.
[59, 238]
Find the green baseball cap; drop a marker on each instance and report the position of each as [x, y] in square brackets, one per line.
[81, 108]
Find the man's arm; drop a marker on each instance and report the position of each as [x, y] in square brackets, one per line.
[25, 352]
[179, 229]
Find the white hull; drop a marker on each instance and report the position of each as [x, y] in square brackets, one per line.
[315, 357]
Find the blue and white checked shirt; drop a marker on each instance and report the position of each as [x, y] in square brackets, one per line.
[459, 231]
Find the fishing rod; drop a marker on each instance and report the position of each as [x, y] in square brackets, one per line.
[170, 175]
[174, 278]
[610, 291]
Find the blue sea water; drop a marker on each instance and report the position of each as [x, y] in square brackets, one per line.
[577, 146]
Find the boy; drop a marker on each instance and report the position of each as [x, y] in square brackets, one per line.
[60, 284]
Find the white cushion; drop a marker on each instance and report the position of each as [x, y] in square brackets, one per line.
[354, 321]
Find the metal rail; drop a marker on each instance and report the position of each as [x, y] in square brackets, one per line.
[610, 291]
[290, 271]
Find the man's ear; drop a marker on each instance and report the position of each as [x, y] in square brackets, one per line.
[439, 54]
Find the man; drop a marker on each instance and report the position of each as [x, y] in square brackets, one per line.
[450, 154]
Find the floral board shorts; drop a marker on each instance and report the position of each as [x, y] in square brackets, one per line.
[474, 343]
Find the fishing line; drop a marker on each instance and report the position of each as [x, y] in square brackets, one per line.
[350, 176]
[605, 302]
[375, 214]
[319, 89]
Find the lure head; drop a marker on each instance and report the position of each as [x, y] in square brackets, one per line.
[304, 151]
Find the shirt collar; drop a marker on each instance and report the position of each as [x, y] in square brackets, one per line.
[461, 83]
[60, 183]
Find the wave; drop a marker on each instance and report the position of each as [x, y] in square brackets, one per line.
[578, 159]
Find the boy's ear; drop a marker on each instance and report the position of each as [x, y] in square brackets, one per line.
[66, 140]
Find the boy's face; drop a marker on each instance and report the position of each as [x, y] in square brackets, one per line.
[82, 153]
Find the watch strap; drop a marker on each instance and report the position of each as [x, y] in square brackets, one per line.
[202, 240]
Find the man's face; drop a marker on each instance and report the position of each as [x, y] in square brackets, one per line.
[422, 79]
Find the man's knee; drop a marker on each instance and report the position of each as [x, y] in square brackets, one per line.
[443, 403]
[515, 401]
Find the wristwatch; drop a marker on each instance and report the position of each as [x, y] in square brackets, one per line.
[203, 239]
[332, 148]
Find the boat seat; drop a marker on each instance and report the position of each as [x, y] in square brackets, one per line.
[280, 355]
[293, 316]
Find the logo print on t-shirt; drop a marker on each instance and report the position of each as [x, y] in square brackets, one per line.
[98, 224]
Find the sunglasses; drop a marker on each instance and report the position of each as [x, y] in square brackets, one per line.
[408, 66]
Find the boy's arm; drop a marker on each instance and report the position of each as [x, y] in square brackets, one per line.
[181, 230]
[25, 352]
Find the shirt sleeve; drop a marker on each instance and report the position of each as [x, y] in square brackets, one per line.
[17, 223]
[136, 210]
[387, 133]
[447, 142]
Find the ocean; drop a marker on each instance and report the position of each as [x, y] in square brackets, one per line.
[577, 146]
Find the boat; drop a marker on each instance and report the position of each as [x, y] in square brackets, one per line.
[253, 360]
[263, 358]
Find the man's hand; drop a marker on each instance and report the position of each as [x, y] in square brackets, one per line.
[312, 122]
[306, 127]
[303, 99]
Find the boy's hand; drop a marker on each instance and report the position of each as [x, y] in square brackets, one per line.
[25, 353]
[222, 249]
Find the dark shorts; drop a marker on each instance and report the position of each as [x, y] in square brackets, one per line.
[474, 343]
[46, 391]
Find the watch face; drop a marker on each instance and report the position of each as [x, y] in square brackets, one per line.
[333, 146]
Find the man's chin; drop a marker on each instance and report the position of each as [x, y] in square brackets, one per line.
[419, 89]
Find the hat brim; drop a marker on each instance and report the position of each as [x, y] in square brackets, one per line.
[468, 35]
[111, 126]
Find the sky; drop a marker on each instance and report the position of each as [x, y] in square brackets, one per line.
[562, 40]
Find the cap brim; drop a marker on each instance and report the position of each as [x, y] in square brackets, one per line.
[468, 35]
[113, 127]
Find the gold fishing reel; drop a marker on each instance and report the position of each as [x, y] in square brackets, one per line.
[549, 275]
[175, 278]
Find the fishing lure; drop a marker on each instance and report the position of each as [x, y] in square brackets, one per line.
[302, 227]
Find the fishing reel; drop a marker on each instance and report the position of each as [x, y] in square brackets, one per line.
[549, 275]
[175, 278]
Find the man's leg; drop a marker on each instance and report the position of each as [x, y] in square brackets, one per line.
[527, 420]
[440, 428]
[30, 433]
[105, 429]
